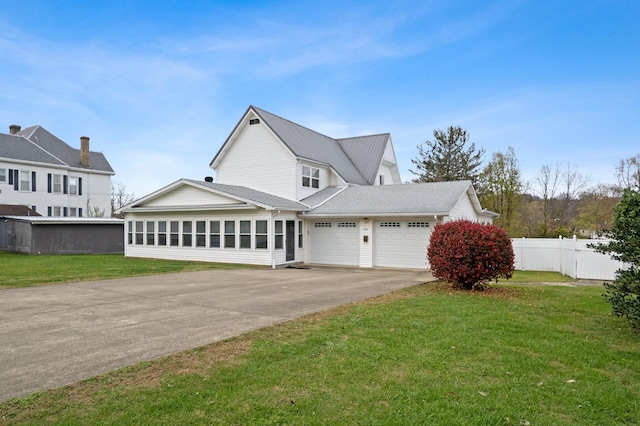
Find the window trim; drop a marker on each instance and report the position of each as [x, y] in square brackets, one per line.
[310, 177]
[214, 234]
[261, 238]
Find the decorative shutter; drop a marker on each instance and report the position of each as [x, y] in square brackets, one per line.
[16, 179]
[10, 176]
[80, 212]
[49, 183]
[79, 186]
[33, 181]
[65, 212]
[49, 211]
[65, 184]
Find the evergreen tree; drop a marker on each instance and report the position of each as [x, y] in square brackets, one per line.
[446, 159]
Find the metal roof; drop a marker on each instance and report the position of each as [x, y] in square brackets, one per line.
[44, 220]
[435, 198]
[36, 144]
[366, 153]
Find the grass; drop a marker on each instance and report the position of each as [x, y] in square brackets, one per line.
[26, 271]
[537, 277]
[512, 355]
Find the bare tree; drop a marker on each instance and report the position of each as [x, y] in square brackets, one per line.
[546, 185]
[119, 197]
[574, 183]
[628, 172]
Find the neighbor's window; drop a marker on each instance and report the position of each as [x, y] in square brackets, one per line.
[261, 234]
[73, 185]
[3, 175]
[129, 227]
[245, 234]
[201, 233]
[73, 212]
[278, 235]
[214, 234]
[25, 183]
[229, 234]
[58, 209]
[57, 184]
[139, 233]
[162, 232]
[310, 177]
[151, 234]
[174, 235]
[187, 233]
[300, 234]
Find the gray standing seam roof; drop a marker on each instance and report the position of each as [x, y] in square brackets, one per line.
[37, 144]
[419, 198]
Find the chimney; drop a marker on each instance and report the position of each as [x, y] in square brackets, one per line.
[84, 151]
[14, 128]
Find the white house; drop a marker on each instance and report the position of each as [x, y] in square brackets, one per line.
[42, 172]
[285, 193]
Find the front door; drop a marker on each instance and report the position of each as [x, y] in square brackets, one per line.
[291, 240]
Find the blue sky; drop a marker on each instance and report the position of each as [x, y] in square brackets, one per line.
[159, 85]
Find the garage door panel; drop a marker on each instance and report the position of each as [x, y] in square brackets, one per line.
[401, 244]
[334, 243]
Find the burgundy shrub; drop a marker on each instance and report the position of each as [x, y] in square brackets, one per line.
[468, 254]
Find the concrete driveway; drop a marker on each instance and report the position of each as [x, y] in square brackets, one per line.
[59, 334]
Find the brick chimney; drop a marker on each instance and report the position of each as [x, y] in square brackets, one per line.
[14, 128]
[84, 151]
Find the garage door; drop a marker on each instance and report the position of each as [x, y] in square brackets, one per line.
[401, 244]
[334, 242]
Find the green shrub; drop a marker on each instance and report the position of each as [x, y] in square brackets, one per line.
[624, 292]
[468, 254]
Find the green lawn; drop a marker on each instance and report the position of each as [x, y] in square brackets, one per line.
[428, 355]
[25, 271]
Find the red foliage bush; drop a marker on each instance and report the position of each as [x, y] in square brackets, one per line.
[467, 254]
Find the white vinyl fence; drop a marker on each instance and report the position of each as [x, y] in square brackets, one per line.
[569, 256]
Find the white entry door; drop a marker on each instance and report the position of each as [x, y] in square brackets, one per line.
[334, 242]
[401, 243]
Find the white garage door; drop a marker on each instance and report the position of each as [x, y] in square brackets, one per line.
[334, 242]
[401, 244]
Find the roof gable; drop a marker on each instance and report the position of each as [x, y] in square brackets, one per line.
[356, 160]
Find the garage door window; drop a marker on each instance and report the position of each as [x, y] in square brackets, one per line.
[346, 224]
[418, 224]
[322, 225]
[390, 224]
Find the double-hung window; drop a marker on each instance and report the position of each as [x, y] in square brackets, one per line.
[300, 239]
[139, 233]
[229, 234]
[201, 233]
[162, 232]
[73, 185]
[57, 184]
[3, 175]
[245, 234]
[151, 240]
[174, 234]
[187, 233]
[279, 236]
[310, 177]
[261, 234]
[214, 234]
[25, 182]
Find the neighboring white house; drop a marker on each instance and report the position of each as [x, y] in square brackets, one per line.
[42, 172]
[285, 193]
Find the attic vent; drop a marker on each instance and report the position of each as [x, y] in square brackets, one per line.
[254, 121]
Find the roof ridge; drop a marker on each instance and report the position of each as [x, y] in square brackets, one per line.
[364, 136]
[293, 122]
[38, 145]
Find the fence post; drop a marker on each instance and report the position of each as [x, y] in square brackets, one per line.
[561, 255]
[575, 257]
[522, 258]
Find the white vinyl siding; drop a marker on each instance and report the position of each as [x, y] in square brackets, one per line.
[255, 158]
[187, 196]
[323, 181]
[334, 242]
[463, 209]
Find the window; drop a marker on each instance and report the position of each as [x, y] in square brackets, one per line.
[73, 212]
[279, 243]
[73, 185]
[25, 183]
[390, 224]
[346, 224]
[3, 175]
[261, 234]
[229, 234]
[322, 225]
[162, 232]
[174, 235]
[418, 224]
[381, 179]
[300, 234]
[201, 233]
[129, 228]
[214, 234]
[57, 184]
[139, 233]
[310, 177]
[245, 234]
[57, 210]
[187, 233]
[151, 235]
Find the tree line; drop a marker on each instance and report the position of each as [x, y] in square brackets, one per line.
[558, 200]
